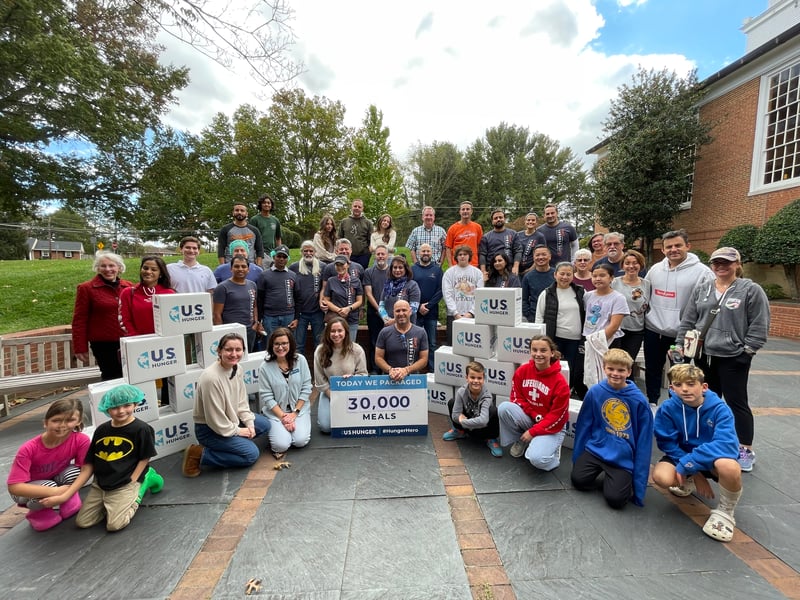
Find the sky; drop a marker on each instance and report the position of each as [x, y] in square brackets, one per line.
[448, 70]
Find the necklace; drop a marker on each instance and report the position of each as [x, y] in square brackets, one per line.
[148, 291]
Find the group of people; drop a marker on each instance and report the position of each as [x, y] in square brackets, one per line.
[598, 306]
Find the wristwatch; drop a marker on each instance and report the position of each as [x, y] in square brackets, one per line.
[297, 411]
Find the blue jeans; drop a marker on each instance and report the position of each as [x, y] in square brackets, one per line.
[272, 323]
[227, 452]
[429, 324]
[316, 320]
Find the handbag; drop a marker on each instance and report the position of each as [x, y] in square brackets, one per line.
[693, 339]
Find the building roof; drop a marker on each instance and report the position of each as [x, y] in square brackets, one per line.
[55, 246]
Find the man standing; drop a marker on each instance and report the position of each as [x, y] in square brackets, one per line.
[524, 243]
[402, 348]
[458, 288]
[240, 229]
[672, 281]
[343, 248]
[428, 275]
[267, 224]
[188, 275]
[427, 233]
[277, 294]
[374, 280]
[237, 248]
[357, 228]
[538, 279]
[499, 239]
[309, 284]
[463, 233]
[614, 244]
[561, 238]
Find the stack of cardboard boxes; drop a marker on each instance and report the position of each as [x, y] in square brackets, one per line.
[497, 338]
[184, 344]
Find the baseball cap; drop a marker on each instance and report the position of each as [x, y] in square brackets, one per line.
[725, 253]
[341, 259]
[282, 250]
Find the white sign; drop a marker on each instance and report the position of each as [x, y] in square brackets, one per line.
[370, 406]
[176, 314]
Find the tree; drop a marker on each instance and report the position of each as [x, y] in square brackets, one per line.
[256, 33]
[654, 137]
[83, 72]
[741, 237]
[513, 169]
[64, 225]
[376, 176]
[311, 165]
[436, 175]
[12, 243]
[778, 243]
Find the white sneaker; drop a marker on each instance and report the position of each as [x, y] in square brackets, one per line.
[517, 449]
[682, 491]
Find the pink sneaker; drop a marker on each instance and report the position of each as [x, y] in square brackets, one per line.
[70, 507]
[44, 519]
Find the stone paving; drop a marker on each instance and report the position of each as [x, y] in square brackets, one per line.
[423, 518]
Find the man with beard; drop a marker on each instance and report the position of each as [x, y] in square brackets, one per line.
[561, 237]
[240, 229]
[524, 244]
[374, 280]
[309, 284]
[614, 244]
[357, 228]
[428, 275]
[268, 225]
[499, 239]
[402, 348]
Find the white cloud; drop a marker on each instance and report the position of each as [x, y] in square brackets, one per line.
[446, 73]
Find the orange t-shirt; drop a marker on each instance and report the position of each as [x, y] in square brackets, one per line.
[464, 235]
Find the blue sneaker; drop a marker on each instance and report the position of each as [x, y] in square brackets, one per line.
[747, 459]
[494, 447]
[453, 434]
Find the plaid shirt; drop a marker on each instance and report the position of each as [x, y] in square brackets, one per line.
[434, 236]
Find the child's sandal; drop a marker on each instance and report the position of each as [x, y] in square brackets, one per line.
[720, 526]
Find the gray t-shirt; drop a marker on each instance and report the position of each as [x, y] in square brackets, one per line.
[237, 300]
[402, 349]
[638, 299]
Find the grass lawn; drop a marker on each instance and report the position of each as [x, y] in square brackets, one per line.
[41, 293]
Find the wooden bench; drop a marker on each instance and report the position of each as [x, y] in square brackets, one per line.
[34, 363]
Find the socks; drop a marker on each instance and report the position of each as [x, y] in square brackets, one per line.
[728, 500]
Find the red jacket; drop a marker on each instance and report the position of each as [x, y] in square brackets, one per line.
[95, 318]
[136, 310]
[543, 395]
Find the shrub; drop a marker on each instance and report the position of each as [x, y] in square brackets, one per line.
[774, 291]
[703, 256]
[778, 243]
[290, 238]
[742, 238]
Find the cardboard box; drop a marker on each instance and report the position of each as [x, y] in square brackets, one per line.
[514, 343]
[449, 368]
[150, 357]
[177, 314]
[250, 368]
[498, 306]
[499, 376]
[182, 389]
[574, 409]
[174, 432]
[498, 400]
[473, 340]
[206, 342]
[146, 411]
[565, 370]
[439, 395]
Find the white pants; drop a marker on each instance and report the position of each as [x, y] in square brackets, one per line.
[280, 439]
[543, 451]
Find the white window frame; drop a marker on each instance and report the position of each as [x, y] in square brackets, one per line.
[45, 254]
[757, 171]
[67, 253]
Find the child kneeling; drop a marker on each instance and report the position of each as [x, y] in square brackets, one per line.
[614, 435]
[695, 430]
[473, 413]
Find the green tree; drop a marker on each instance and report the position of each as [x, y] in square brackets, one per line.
[778, 243]
[64, 225]
[741, 237]
[514, 169]
[12, 243]
[83, 72]
[654, 137]
[376, 175]
[435, 174]
[311, 165]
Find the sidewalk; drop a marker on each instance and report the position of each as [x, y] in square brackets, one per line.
[421, 518]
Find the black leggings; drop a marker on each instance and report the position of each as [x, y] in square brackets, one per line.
[727, 377]
[490, 432]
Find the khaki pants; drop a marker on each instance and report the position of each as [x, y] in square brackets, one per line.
[116, 506]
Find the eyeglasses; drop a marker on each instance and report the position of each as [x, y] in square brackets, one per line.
[281, 344]
[581, 260]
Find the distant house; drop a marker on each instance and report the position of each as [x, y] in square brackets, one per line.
[45, 249]
[751, 169]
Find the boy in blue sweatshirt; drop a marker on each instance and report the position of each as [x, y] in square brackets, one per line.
[614, 435]
[695, 430]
